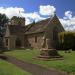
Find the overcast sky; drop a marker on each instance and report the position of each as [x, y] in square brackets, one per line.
[41, 9]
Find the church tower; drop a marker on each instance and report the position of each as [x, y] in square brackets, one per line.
[17, 21]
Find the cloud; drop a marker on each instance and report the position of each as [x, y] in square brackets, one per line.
[47, 10]
[68, 14]
[28, 21]
[11, 11]
[68, 21]
[35, 16]
[15, 11]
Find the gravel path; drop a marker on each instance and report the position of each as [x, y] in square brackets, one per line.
[32, 68]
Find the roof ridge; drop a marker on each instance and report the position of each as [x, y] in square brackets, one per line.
[29, 27]
[38, 21]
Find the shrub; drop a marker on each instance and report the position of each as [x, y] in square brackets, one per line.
[67, 40]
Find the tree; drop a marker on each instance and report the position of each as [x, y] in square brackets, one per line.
[3, 21]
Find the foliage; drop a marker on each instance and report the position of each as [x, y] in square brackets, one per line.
[3, 21]
[67, 40]
[68, 64]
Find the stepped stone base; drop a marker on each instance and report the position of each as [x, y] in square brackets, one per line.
[49, 53]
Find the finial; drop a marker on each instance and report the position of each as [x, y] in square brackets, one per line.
[54, 13]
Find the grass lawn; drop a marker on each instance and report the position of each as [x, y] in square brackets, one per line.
[10, 69]
[68, 64]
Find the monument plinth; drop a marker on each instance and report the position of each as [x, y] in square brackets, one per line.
[49, 52]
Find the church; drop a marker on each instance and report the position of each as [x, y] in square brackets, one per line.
[42, 34]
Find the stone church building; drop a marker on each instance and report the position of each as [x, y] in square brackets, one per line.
[43, 34]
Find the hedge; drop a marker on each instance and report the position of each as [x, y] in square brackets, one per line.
[66, 40]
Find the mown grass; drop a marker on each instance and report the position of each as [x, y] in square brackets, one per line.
[10, 69]
[68, 64]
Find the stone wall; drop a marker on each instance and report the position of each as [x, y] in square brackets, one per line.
[52, 31]
[12, 41]
[35, 40]
[17, 21]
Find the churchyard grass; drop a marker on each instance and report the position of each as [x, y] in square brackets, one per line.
[67, 65]
[10, 69]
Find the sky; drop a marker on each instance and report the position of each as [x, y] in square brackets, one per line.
[41, 9]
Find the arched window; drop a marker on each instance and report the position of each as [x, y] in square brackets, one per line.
[55, 33]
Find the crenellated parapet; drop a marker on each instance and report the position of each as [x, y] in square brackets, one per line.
[17, 21]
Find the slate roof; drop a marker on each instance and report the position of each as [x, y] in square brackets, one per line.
[29, 29]
[15, 29]
[37, 27]
[40, 26]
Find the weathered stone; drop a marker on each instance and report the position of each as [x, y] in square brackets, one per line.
[49, 53]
